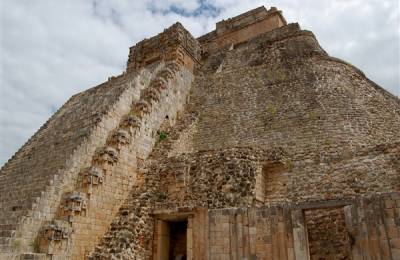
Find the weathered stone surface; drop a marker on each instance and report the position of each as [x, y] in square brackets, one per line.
[264, 145]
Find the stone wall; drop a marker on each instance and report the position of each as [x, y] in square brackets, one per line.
[366, 228]
[282, 90]
[211, 179]
[174, 44]
[272, 138]
[279, 231]
[327, 234]
[241, 28]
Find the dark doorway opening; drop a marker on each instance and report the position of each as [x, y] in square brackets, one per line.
[328, 237]
[177, 240]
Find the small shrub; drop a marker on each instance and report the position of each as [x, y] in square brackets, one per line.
[163, 136]
[16, 244]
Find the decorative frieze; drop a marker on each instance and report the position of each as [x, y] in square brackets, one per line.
[75, 203]
[151, 94]
[173, 66]
[54, 237]
[91, 177]
[107, 154]
[120, 137]
[167, 74]
[159, 84]
[131, 121]
[142, 106]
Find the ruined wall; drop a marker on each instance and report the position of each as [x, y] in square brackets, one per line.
[211, 179]
[241, 28]
[279, 231]
[281, 90]
[368, 228]
[275, 138]
[174, 44]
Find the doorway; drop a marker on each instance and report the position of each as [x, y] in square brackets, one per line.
[327, 234]
[178, 240]
[171, 239]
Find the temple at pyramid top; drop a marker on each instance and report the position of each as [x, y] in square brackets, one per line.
[243, 27]
[176, 42]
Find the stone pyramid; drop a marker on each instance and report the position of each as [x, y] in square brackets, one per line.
[249, 142]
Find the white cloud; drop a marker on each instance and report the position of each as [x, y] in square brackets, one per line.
[51, 49]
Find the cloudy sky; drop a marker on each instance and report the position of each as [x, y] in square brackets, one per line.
[52, 49]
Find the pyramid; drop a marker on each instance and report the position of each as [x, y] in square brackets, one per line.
[249, 142]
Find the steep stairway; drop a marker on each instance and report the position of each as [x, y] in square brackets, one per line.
[107, 173]
[129, 233]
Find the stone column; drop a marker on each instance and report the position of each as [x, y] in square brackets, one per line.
[300, 235]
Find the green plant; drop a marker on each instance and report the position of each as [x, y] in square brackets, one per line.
[312, 115]
[163, 136]
[35, 245]
[16, 244]
[272, 111]
[288, 164]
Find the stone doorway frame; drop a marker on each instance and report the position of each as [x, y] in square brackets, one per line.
[300, 234]
[162, 236]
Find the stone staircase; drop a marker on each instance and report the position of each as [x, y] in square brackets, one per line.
[129, 234]
[20, 204]
[6, 235]
[107, 172]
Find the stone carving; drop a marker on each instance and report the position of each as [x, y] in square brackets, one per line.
[107, 154]
[167, 74]
[75, 203]
[173, 66]
[120, 137]
[151, 94]
[91, 177]
[159, 84]
[131, 121]
[142, 107]
[54, 237]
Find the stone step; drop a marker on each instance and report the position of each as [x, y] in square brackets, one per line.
[5, 241]
[7, 233]
[8, 227]
[33, 256]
